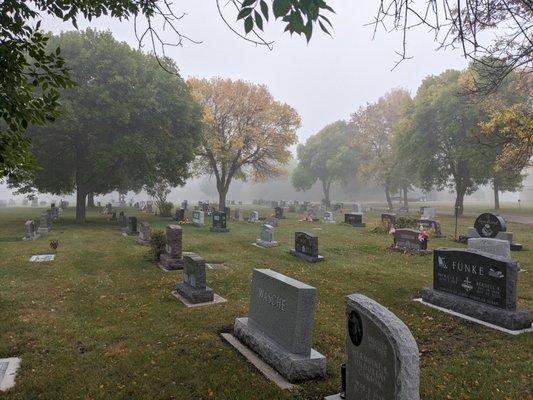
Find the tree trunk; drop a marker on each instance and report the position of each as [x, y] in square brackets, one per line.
[459, 201]
[405, 201]
[389, 200]
[496, 195]
[325, 189]
[90, 199]
[222, 199]
[80, 205]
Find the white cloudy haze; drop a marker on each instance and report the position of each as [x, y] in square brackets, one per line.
[325, 80]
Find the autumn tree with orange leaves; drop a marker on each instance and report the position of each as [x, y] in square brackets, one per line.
[246, 134]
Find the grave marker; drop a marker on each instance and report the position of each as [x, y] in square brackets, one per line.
[145, 234]
[306, 247]
[198, 218]
[219, 222]
[172, 258]
[354, 219]
[266, 237]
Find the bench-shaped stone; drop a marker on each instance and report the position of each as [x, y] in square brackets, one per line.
[382, 355]
[280, 325]
[479, 285]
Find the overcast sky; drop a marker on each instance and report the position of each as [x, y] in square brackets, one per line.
[324, 80]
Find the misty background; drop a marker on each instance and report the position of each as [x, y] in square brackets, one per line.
[325, 80]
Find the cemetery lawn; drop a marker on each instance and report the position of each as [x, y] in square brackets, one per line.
[99, 322]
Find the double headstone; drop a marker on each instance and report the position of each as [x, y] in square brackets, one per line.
[29, 231]
[145, 234]
[354, 219]
[431, 224]
[194, 285]
[219, 222]
[477, 284]
[279, 327]
[306, 247]
[410, 240]
[382, 355]
[198, 218]
[172, 258]
[266, 236]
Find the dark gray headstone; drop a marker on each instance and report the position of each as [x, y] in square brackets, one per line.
[306, 247]
[194, 285]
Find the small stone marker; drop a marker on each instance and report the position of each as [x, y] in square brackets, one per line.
[389, 219]
[42, 258]
[410, 240]
[267, 237]
[29, 231]
[179, 215]
[45, 224]
[382, 355]
[172, 258]
[496, 247]
[132, 226]
[198, 218]
[145, 234]
[429, 213]
[479, 285]
[8, 372]
[279, 327]
[328, 217]
[194, 285]
[219, 222]
[122, 222]
[254, 216]
[306, 247]
[354, 219]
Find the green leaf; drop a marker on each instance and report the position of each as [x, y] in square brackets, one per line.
[258, 20]
[264, 9]
[244, 13]
[248, 24]
[281, 7]
[247, 3]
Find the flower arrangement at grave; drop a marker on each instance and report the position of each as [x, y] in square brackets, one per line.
[423, 236]
[184, 221]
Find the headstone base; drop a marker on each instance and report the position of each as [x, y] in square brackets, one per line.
[142, 242]
[193, 295]
[168, 263]
[512, 320]
[35, 237]
[517, 247]
[219, 230]
[294, 367]
[401, 249]
[329, 222]
[362, 225]
[263, 243]
[216, 299]
[307, 257]
[43, 230]
[334, 397]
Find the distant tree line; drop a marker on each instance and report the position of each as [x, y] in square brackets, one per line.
[446, 136]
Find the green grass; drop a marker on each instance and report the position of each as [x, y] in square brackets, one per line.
[99, 321]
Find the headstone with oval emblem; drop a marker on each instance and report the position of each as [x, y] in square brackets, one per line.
[382, 355]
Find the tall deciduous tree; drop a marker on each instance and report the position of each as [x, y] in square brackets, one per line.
[127, 123]
[441, 142]
[326, 157]
[246, 133]
[373, 128]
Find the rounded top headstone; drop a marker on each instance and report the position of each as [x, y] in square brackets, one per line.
[488, 225]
